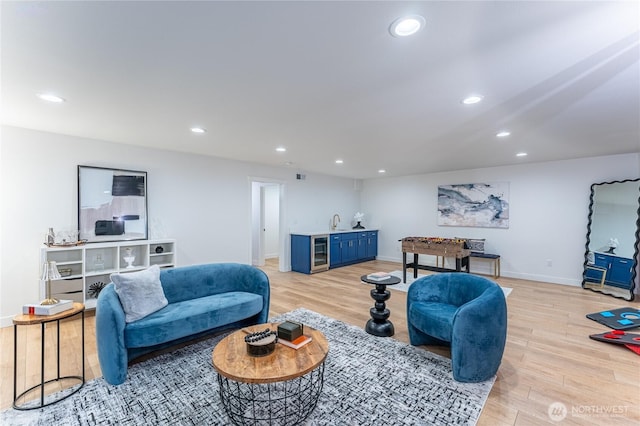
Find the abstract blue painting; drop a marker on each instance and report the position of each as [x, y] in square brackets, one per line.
[483, 205]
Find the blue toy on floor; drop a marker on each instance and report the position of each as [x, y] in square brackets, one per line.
[618, 319]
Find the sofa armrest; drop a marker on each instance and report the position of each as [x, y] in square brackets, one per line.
[262, 287]
[110, 324]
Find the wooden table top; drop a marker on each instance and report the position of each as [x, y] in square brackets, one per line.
[231, 360]
[24, 319]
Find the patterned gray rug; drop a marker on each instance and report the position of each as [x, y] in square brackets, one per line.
[368, 381]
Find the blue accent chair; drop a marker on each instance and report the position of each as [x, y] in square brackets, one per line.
[464, 311]
[203, 299]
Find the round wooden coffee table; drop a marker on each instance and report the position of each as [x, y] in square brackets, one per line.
[280, 388]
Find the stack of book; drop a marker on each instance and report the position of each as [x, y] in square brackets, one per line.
[297, 343]
[291, 334]
[379, 276]
[38, 309]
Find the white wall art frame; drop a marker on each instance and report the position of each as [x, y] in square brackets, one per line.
[482, 205]
[112, 204]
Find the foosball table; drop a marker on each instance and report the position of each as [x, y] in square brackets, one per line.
[435, 246]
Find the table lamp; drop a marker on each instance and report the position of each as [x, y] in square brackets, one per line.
[49, 273]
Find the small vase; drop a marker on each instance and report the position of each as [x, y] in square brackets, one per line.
[129, 257]
[358, 226]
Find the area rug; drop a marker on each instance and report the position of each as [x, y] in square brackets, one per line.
[405, 286]
[368, 381]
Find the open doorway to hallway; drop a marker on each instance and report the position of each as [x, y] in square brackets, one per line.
[267, 230]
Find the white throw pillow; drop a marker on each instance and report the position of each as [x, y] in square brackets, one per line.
[140, 292]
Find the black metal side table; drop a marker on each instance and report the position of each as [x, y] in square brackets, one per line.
[379, 324]
[78, 309]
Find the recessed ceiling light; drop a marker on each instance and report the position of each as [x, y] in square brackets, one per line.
[281, 149]
[50, 98]
[521, 154]
[198, 130]
[503, 134]
[406, 26]
[473, 99]
[339, 161]
[382, 171]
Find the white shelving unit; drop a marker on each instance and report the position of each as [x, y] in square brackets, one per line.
[86, 268]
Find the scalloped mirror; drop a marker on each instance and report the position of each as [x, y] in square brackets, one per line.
[611, 257]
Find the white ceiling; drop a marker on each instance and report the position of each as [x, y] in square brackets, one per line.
[326, 80]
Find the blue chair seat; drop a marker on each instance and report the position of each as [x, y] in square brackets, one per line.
[433, 318]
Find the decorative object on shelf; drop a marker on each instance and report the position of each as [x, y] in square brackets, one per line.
[159, 249]
[65, 272]
[613, 244]
[358, 218]
[95, 289]
[51, 237]
[68, 244]
[261, 343]
[66, 237]
[49, 273]
[129, 257]
[98, 263]
[63, 238]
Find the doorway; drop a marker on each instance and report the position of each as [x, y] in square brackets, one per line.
[268, 237]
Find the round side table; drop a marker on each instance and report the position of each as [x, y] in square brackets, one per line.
[379, 324]
[78, 309]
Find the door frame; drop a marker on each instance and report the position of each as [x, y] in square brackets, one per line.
[283, 246]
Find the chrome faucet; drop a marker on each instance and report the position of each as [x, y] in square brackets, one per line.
[334, 222]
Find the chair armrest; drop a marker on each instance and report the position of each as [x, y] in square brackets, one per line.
[482, 323]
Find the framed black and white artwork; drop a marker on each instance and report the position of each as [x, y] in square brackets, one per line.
[112, 204]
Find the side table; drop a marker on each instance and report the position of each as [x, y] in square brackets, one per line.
[379, 324]
[78, 308]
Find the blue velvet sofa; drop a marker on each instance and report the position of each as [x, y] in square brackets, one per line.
[465, 311]
[201, 299]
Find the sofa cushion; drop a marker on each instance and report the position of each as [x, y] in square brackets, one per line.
[433, 318]
[193, 316]
[140, 293]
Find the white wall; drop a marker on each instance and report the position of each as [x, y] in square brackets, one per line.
[202, 202]
[548, 213]
[205, 203]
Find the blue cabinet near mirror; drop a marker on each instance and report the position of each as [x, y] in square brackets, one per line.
[611, 257]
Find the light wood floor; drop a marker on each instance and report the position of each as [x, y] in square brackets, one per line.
[548, 358]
